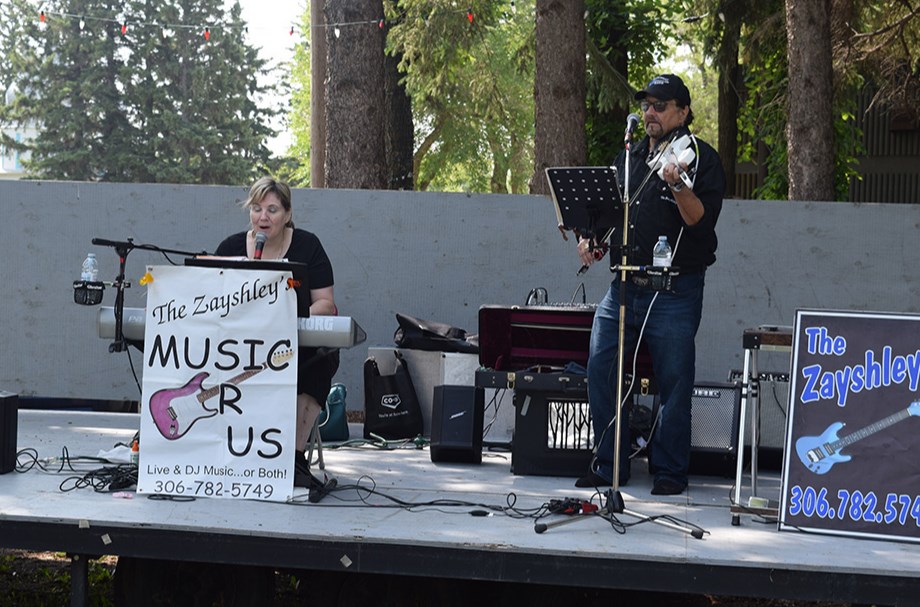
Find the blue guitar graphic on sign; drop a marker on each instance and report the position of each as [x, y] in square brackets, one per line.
[820, 453]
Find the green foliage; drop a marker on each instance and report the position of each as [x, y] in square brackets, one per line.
[471, 86]
[44, 579]
[296, 169]
[848, 144]
[626, 40]
[153, 104]
[866, 48]
[762, 117]
[881, 44]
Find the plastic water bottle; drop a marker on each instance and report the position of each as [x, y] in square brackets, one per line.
[90, 268]
[661, 254]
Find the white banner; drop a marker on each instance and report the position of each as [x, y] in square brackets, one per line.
[220, 382]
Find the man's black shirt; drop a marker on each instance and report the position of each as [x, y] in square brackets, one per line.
[654, 212]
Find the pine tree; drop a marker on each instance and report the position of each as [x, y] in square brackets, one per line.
[140, 91]
[193, 83]
[66, 76]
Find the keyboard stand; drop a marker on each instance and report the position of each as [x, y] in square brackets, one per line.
[778, 339]
[329, 481]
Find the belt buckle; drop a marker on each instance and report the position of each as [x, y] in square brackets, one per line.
[640, 280]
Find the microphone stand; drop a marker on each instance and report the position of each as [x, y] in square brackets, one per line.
[615, 503]
[120, 344]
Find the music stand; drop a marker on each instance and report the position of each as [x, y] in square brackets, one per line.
[585, 197]
[575, 191]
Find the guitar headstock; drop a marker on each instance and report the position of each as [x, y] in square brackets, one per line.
[282, 356]
[914, 408]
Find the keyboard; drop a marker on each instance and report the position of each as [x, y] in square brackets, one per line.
[312, 332]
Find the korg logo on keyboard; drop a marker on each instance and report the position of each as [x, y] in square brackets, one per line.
[319, 323]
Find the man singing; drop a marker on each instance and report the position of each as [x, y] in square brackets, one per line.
[675, 193]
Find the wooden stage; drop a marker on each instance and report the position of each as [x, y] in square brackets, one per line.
[354, 530]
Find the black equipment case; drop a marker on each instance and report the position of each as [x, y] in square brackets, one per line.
[528, 349]
[552, 422]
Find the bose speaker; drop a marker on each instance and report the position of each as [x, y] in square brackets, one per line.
[456, 424]
[9, 410]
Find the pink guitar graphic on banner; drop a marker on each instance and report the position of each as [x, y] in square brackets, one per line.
[175, 411]
[820, 453]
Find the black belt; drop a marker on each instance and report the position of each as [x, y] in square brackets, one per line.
[683, 270]
[643, 279]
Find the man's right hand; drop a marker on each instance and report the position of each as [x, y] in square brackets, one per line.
[588, 252]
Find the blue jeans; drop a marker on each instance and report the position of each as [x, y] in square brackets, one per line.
[670, 336]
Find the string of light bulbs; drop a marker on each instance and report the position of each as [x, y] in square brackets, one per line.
[125, 22]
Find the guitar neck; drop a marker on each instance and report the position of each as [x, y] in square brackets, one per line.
[211, 392]
[871, 429]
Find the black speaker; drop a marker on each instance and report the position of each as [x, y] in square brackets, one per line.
[456, 424]
[715, 413]
[9, 412]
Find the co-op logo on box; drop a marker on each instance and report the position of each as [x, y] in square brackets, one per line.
[390, 401]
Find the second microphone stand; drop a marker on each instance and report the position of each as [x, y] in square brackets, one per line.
[120, 344]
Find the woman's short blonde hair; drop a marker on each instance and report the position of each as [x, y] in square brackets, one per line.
[265, 186]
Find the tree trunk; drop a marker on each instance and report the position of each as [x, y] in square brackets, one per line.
[559, 88]
[317, 95]
[355, 104]
[498, 181]
[810, 128]
[400, 133]
[729, 84]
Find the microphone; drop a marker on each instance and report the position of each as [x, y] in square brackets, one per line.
[260, 244]
[632, 121]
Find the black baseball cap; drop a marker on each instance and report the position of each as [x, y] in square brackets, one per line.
[666, 87]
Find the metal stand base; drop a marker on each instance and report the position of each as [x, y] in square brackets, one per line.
[616, 505]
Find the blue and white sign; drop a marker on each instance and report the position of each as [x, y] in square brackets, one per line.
[851, 465]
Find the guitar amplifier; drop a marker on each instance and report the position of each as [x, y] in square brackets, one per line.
[552, 422]
[715, 415]
[9, 412]
[774, 402]
[527, 349]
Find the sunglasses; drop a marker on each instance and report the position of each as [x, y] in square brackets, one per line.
[658, 106]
